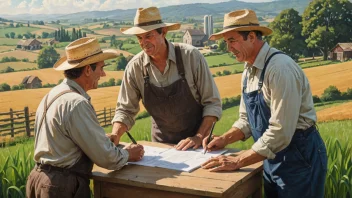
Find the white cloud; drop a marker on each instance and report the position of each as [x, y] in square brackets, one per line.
[72, 6]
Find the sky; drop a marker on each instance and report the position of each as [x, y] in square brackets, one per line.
[13, 7]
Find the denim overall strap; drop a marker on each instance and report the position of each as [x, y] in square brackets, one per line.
[258, 112]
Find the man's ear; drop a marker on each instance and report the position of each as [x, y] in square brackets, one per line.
[87, 70]
[164, 31]
[252, 36]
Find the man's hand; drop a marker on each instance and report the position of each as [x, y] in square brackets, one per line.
[117, 131]
[135, 151]
[222, 163]
[216, 143]
[189, 142]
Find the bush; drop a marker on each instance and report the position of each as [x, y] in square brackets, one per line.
[316, 99]
[226, 72]
[331, 93]
[9, 69]
[218, 73]
[4, 87]
[230, 102]
[25, 60]
[118, 82]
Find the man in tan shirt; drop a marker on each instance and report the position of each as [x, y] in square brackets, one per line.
[277, 110]
[174, 83]
[68, 137]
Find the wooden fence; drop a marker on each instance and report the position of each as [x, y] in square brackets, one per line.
[21, 123]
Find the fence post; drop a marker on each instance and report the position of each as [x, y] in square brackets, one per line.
[12, 125]
[104, 116]
[110, 115]
[28, 127]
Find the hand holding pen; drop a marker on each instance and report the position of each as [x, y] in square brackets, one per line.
[208, 139]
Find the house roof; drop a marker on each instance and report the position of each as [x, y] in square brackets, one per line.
[29, 79]
[27, 42]
[193, 32]
[345, 46]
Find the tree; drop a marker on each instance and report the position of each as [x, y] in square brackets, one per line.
[4, 87]
[84, 34]
[47, 57]
[222, 45]
[45, 35]
[12, 35]
[286, 35]
[7, 35]
[9, 69]
[327, 22]
[19, 36]
[121, 63]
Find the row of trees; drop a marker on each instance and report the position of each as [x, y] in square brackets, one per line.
[323, 24]
[63, 35]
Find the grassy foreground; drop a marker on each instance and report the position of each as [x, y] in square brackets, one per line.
[17, 161]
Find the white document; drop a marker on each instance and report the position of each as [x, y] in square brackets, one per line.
[171, 158]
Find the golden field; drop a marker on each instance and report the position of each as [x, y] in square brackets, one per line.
[320, 78]
[17, 66]
[109, 32]
[6, 48]
[48, 76]
[340, 112]
[20, 54]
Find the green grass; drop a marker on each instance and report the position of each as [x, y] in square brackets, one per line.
[220, 59]
[61, 45]
[324, 105]
[17, 161]
[8, 41]
[19, 30]
[316, 63]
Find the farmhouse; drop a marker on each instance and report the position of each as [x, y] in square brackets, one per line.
[31, 82]
[341, 52]
[29, 44]
[194, 37]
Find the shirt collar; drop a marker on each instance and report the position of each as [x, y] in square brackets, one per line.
[76, 87]
[260, 59]
[171, 54]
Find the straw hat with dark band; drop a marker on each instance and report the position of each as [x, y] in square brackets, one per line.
[82, 52]
[148, 19]
[241, 20]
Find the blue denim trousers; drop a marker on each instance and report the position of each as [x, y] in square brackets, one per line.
[299, 171]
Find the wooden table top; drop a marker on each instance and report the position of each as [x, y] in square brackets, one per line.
[199, 182]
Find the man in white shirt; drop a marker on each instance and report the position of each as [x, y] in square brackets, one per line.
[277, 110]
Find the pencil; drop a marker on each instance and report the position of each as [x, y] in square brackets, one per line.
[209, 137]
[130, 136]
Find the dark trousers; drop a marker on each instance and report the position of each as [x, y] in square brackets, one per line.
[299, 171]
[56, 184]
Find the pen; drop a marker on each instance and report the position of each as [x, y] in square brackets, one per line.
[130, 136]
[209, 137]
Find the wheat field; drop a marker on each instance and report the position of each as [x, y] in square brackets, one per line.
[320, 78]
[17, 66]
[340, 112]
[20, 54]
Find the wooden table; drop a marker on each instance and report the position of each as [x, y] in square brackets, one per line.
[144, 182]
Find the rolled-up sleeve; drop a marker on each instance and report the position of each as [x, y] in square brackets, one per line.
[208, 91]
[285, 88]
[84, 129]
[242, 122]
[128, 100]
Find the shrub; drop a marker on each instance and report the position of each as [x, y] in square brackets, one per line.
[118, 82]
[316, 99]
[331, 93]
[4, 87]
[226, 72]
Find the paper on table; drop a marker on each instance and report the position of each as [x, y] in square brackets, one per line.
[171, 158]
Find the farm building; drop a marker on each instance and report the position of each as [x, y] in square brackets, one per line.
[194, 37]
[29, 44]
[31, 82]
[341, 52]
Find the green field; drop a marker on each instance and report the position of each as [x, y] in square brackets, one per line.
[17, 161]
[8, 41]
[19, 30]
[220, 59]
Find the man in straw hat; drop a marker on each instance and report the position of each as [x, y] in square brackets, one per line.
[174, 83]
[68, 137]
[277, 110]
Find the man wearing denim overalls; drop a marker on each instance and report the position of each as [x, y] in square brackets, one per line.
[277, 110]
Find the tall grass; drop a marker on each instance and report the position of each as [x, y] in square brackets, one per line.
[15, 165]
[16, 161]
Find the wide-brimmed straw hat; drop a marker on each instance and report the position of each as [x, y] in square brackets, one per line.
[241, 20]
[82, 52]
[148, 19]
